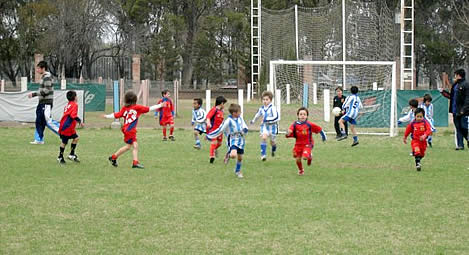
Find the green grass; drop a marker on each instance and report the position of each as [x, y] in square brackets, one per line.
[365, 200]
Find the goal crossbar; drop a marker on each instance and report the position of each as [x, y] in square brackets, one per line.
[393, 119]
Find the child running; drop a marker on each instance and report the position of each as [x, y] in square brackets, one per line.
[130, 112]
[67, 127]
[198, 121]
[166, 115]
[419, 129]
[302, 130]
[214, 119]
[234, 128]
[269, 125]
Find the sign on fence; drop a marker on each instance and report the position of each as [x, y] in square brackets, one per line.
[95, 94]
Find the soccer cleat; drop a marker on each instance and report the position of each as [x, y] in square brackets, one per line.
[172, 138]
[418, 166]
[36, 142]
[113, 161]
[411, 154]
[165, 139]
[212, 160]
[309, 161]
[301, 172]
[140, 166]
[355, 143]
[227, 158]
[430, 144]
[197, 146]
[61, 160]
[459, 148]
[239, 175]
[263, 158]
[73, 158]
[273, 154]
[342, 137]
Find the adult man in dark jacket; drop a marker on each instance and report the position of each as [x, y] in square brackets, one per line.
[459, 106]
[45, 94]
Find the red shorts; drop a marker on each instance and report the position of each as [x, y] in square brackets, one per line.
[419, 147]
[130, 137]
[167, 121]
[302, 150]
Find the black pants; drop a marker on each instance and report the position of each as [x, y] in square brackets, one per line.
[337, 126]
[461, 125]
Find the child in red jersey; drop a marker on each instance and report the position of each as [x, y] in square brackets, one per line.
[130, 112]
[166, 114]
[67, 127]
[214, 120]
[420, 129]
[302, 130]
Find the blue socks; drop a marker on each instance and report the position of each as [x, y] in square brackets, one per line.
[238, 166]
[263, 148]
[355, 138]
[197, 142]
[274, 148]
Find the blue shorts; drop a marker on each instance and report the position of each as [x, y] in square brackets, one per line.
[234, 147]
[350, 120]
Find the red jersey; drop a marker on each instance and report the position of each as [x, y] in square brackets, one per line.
[418, 129]
[303, 132]
[68, 121]
[130, 115]
[167, 110]
[215, 116]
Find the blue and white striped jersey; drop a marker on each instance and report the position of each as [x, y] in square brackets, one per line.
[352, 106]
[234, 129]
[411, 116]
[428, 111]
[269, 113]
[198, 119]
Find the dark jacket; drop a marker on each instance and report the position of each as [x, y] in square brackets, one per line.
[338, 101]
[462, 99]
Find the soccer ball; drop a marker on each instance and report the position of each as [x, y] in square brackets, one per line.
[336, 111]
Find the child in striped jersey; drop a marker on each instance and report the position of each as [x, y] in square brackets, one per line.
[269, 125]
[198, 121]
[428, 107]
[234, 128]
[350, 109]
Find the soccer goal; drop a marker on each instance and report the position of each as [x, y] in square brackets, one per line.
[313, 83]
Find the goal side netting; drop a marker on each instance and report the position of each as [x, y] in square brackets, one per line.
[313, 84]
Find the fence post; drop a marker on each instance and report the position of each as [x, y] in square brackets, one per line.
[24, 84]
[175, 89]
[63, 84]
[121, 90]
[207, 100]
[305, 95]
[248, 93]
[327, 105]
[278, 101]
[375, 86]
[241, 100]
[2, 86]
[115, 101]
[288, 94]
[315, 93]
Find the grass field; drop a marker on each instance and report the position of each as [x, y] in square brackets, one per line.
[365, 200]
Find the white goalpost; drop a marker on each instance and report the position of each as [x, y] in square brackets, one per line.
[376, 81]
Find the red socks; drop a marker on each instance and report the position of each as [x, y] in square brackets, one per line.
[171, 131]
[213, 147]
[135, 162]
[164, 132]
[114, 157]
[300, 165]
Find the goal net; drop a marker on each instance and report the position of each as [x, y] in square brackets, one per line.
[313, 84]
